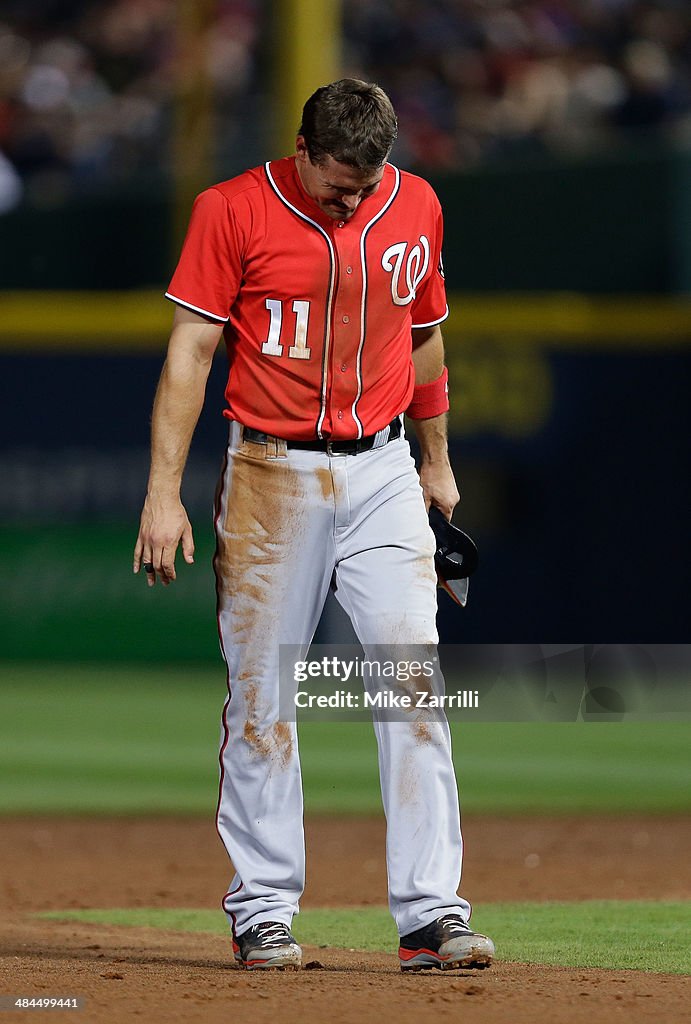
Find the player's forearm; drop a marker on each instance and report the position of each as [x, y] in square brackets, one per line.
[436, 475]
[428, 360]
[178, 403]
[432, 438]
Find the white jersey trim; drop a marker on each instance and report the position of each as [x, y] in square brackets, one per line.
[196, 309]
[363, 302]
[432, 323]
[332, 285]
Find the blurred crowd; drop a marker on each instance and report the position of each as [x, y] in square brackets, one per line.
[475, 81]
[87, 89]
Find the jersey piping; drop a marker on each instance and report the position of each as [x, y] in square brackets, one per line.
[196, 309]
[363, 304]
[432, 323]
[332, 285]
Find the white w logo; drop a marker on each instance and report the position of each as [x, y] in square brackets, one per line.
[415, 268]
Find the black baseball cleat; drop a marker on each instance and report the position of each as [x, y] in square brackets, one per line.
[447, 943]
[267, 946]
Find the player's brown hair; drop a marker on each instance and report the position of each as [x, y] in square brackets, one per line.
[351, 121]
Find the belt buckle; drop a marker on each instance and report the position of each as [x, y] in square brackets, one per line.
[330, 452]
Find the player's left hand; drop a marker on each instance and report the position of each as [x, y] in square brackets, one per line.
[439, 485]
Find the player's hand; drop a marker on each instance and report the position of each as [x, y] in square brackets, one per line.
[439, 486]
[163, 525]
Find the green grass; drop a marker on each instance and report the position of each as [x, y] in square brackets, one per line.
[609, 934]
[103, 739]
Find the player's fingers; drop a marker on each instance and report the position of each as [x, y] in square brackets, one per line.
[446, 508]
[446, 502]
[149, 571]
[167, 565]
[188, 544]
[156, 562]
[148, 566]
[142, 558]
[142, 554]
[137, 558]
[455, 500]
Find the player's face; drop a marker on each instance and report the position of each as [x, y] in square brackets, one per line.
[337, 189]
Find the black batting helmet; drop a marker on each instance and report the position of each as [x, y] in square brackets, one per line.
[455, 557]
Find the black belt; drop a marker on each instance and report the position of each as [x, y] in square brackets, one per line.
[354, 447]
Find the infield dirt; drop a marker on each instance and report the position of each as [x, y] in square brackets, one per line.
[154, 975]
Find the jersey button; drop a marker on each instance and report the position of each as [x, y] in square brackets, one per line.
[349, 270]
[340, 414]
[344, 368]
[341, 223]
[346, 319]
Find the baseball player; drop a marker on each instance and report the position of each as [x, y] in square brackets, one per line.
[323, 273]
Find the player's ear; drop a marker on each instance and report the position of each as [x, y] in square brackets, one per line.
[301, 149]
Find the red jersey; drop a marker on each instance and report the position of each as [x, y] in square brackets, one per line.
[318, 312]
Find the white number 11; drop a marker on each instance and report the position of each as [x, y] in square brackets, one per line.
[272, 346]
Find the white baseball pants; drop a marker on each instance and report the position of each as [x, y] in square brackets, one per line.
[289, 525]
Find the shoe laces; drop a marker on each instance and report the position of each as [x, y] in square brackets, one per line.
[453, 923]
[272, 930]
